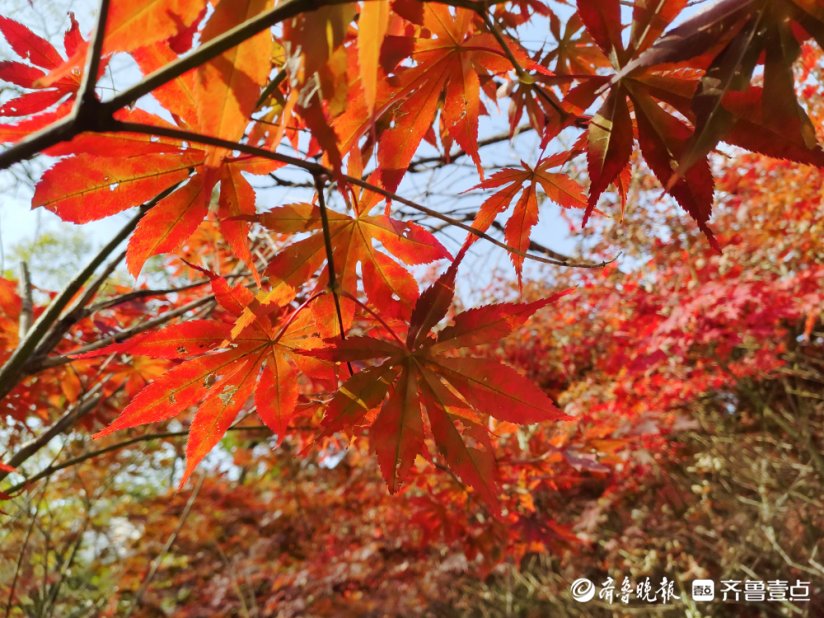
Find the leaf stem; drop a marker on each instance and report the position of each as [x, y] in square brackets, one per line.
[327, 242]
[375, 315]
[288, 322]
[330, 264]
[523, 75]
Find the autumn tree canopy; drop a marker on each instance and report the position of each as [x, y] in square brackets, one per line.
[306, 183]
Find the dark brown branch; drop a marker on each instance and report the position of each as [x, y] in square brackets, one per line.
[214, 48]
[89, 115]
[58, 131]
[282, 182]
[86, 93]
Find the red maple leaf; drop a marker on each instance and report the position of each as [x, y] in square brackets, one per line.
[44, 71]
[423, 372]
[219, 374]
[558, 187]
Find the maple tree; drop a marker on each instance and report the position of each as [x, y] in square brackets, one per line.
[316, 316]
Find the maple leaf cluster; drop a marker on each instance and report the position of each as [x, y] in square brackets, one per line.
[328, 295]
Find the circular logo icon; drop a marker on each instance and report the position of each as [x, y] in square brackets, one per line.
[582, 590]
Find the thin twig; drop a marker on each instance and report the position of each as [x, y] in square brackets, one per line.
[22, 553]
[149, 293]
[122, 335]
[489, 141]
[318, 169]
[141, 294]
[235, 583]
[76, 313]
[66, 566]
[327, 242]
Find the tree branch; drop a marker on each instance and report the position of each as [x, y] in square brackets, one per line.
[86, 94]
[11, 372]
[122, 335]
[88, 114]
[75, 314]
[318, 169]
[22, 553]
